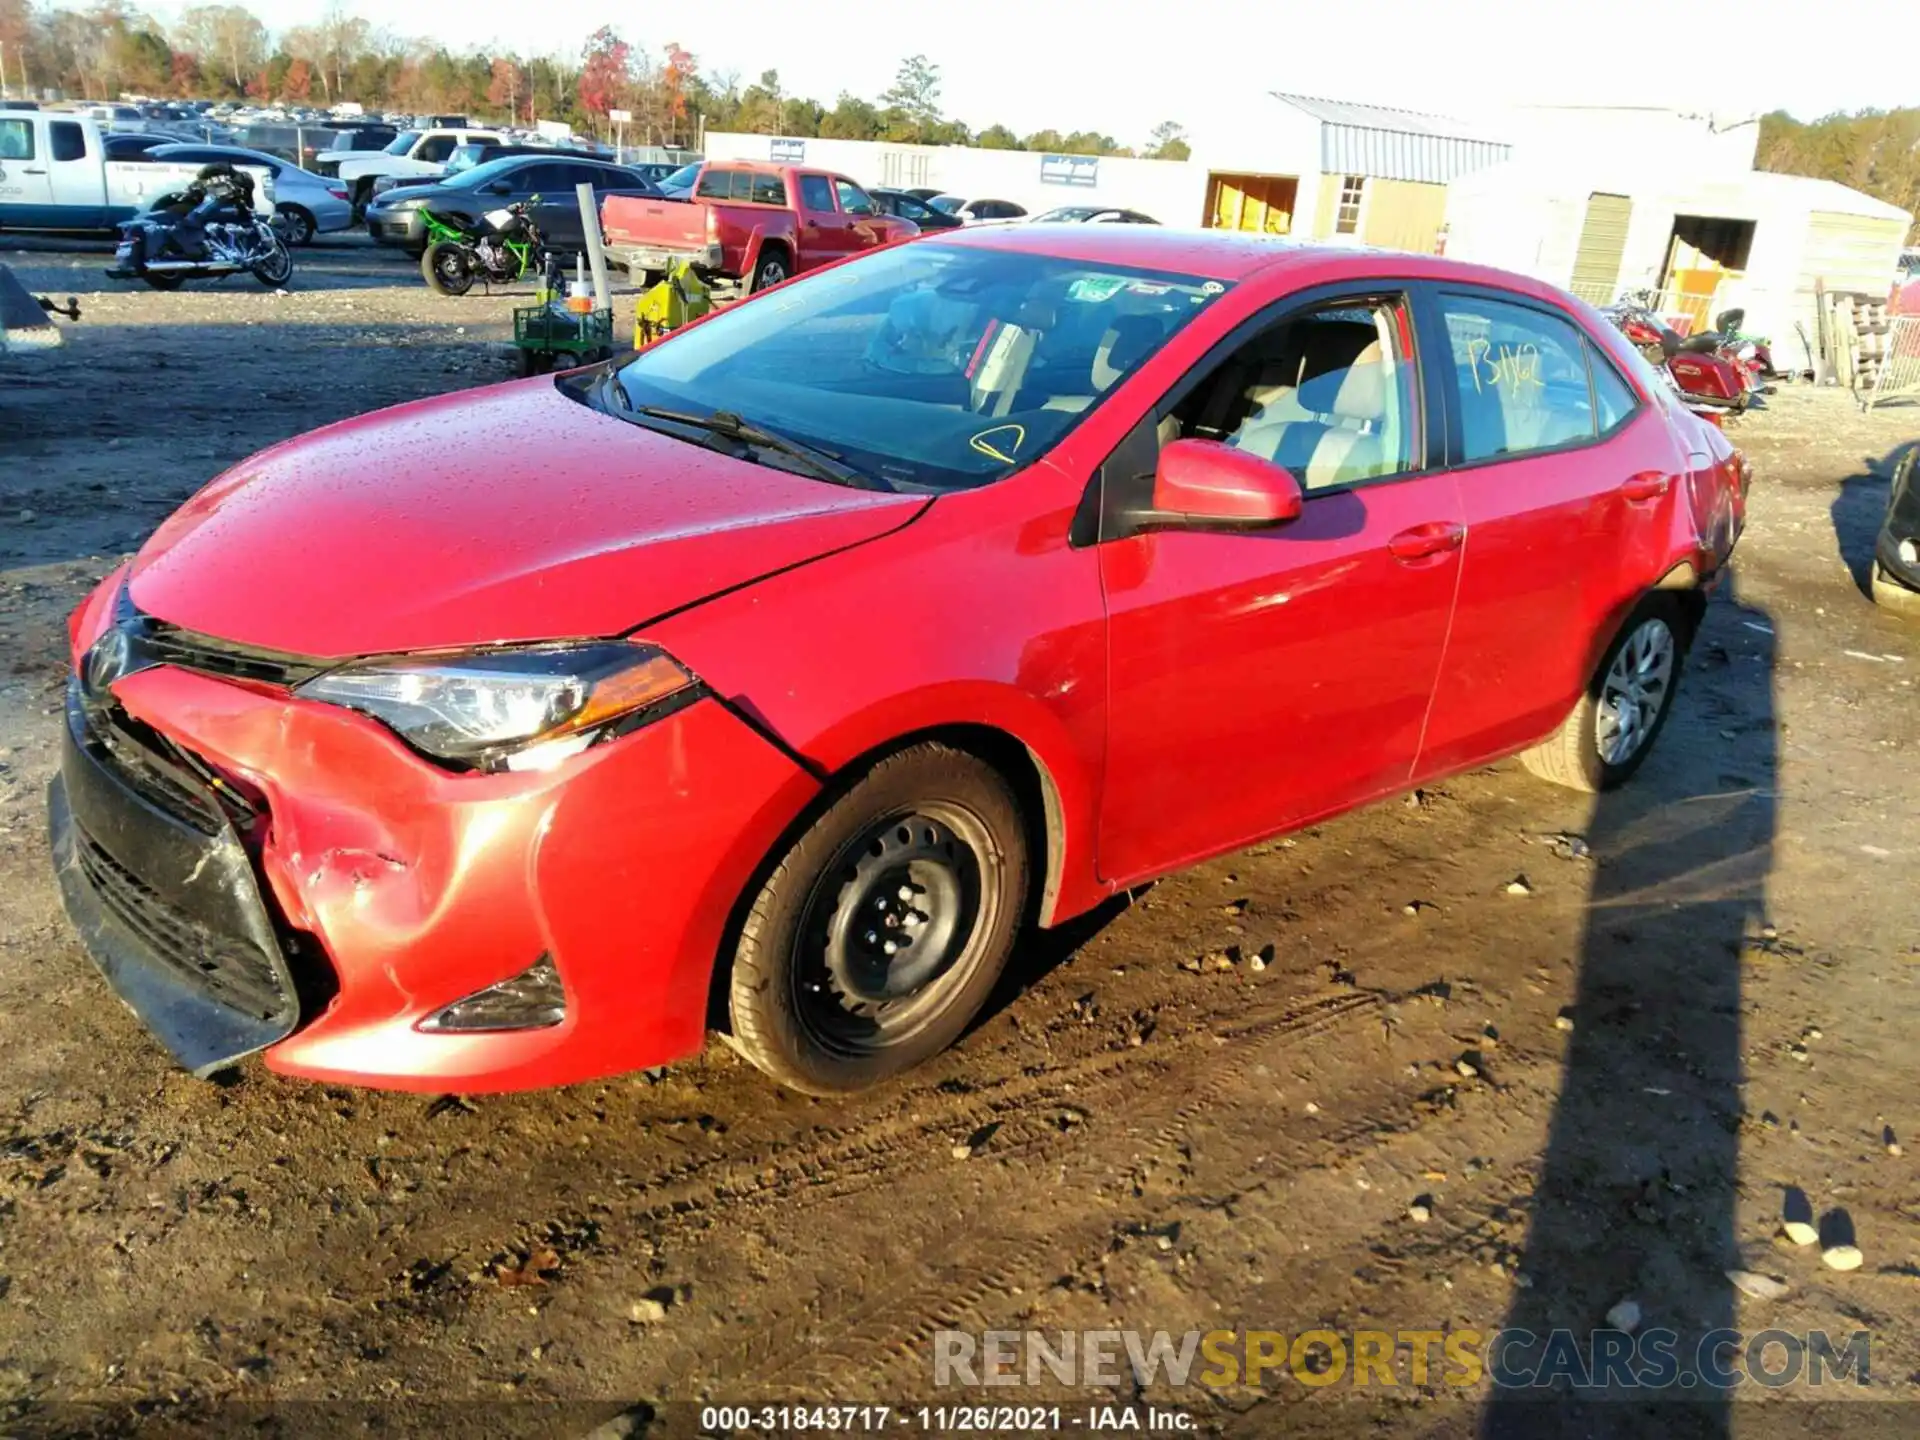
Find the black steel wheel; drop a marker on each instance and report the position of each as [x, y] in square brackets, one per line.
[882, 930]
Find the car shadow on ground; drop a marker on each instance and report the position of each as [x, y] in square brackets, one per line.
[1860, 508]
[1635, 1199]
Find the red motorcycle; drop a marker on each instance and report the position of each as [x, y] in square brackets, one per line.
[1695, 365]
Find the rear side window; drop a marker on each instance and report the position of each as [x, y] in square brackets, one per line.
[68, 139]
[768, 190]
[816, 193]
[1613, 398]
[1520, 375]
[16, 140]
[718, 184]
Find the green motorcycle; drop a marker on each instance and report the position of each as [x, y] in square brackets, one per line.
[503, 246]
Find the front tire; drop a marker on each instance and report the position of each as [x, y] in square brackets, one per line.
[881, 932]
[1889, 594]
[162, 282]
[1626, 704]
[275, 268]
[447, 269]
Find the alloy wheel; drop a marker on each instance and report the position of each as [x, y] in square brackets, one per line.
[1635, 691]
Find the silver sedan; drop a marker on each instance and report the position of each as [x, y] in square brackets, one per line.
[305, 204]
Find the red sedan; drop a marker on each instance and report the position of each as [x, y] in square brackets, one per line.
[773, 680]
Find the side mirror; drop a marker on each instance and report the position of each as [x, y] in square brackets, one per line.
[1204, 485]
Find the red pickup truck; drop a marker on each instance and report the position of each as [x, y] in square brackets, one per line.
[751, 222]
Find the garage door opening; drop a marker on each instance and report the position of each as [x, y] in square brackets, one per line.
[1262, 204]
[1705, 251]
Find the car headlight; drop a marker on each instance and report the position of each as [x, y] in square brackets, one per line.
[519, 709]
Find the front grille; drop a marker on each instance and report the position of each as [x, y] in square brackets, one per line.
[113, 739]
[226, 968]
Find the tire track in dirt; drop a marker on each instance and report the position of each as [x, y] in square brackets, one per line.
[1027, 1109]
[872, 1330]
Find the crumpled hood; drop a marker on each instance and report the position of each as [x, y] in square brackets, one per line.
[507, 514]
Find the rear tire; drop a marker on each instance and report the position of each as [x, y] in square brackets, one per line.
[299, 226]
[769, 271]
[1613, 728]
[447, 269]
[163, 282]
[927, 848]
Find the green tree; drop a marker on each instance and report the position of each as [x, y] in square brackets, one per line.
[997, 137]
[852, 119]
[912, 103]
[1168, 141]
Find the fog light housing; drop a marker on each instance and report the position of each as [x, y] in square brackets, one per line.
[532, 1000]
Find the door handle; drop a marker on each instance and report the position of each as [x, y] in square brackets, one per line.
[1424, 541]
[33, 172]
[1647, 485]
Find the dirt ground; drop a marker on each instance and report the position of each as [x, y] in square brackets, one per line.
[1123, 1143]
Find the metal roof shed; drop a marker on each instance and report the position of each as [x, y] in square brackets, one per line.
[1390, 144]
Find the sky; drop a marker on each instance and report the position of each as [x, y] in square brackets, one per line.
[1121, 68]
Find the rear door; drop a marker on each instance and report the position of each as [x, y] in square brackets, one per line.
[1568, 477]
[26, 184]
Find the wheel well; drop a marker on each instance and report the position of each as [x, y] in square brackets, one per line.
[1033, 788]
[773, 247]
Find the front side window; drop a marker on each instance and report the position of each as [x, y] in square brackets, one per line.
[928, 367]
[1330, 393]
[69, 140]
[853, 199]
[435, 150]
[16, 140]
[1346, 219]
[1520, 375]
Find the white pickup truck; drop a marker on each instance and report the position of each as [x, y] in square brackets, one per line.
[54, 175]
[412, 153]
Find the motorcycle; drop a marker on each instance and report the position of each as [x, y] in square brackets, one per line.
[208, 232]
[504, 247]
[1694, 367]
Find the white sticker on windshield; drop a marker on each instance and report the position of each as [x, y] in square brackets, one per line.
[1095, 288]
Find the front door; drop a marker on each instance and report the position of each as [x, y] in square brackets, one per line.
[1567, 482]
[1261, 680]
[824, 230]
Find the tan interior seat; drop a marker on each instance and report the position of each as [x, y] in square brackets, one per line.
[1337, 437]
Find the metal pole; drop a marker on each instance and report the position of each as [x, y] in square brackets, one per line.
[596, 250]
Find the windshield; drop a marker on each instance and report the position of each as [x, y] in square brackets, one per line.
[464, 157]
[1067, 212]
[403, 142]
[947, 204]
[928, 366]
[681, 179]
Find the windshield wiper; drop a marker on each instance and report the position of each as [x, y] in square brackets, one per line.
[821, 463]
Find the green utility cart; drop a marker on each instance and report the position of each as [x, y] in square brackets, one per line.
[551, 337]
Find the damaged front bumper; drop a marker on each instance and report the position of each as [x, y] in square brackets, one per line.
[368, 891]
[158, 884]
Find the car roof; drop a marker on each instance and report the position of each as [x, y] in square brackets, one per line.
[225, 152]
[1234, 255]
